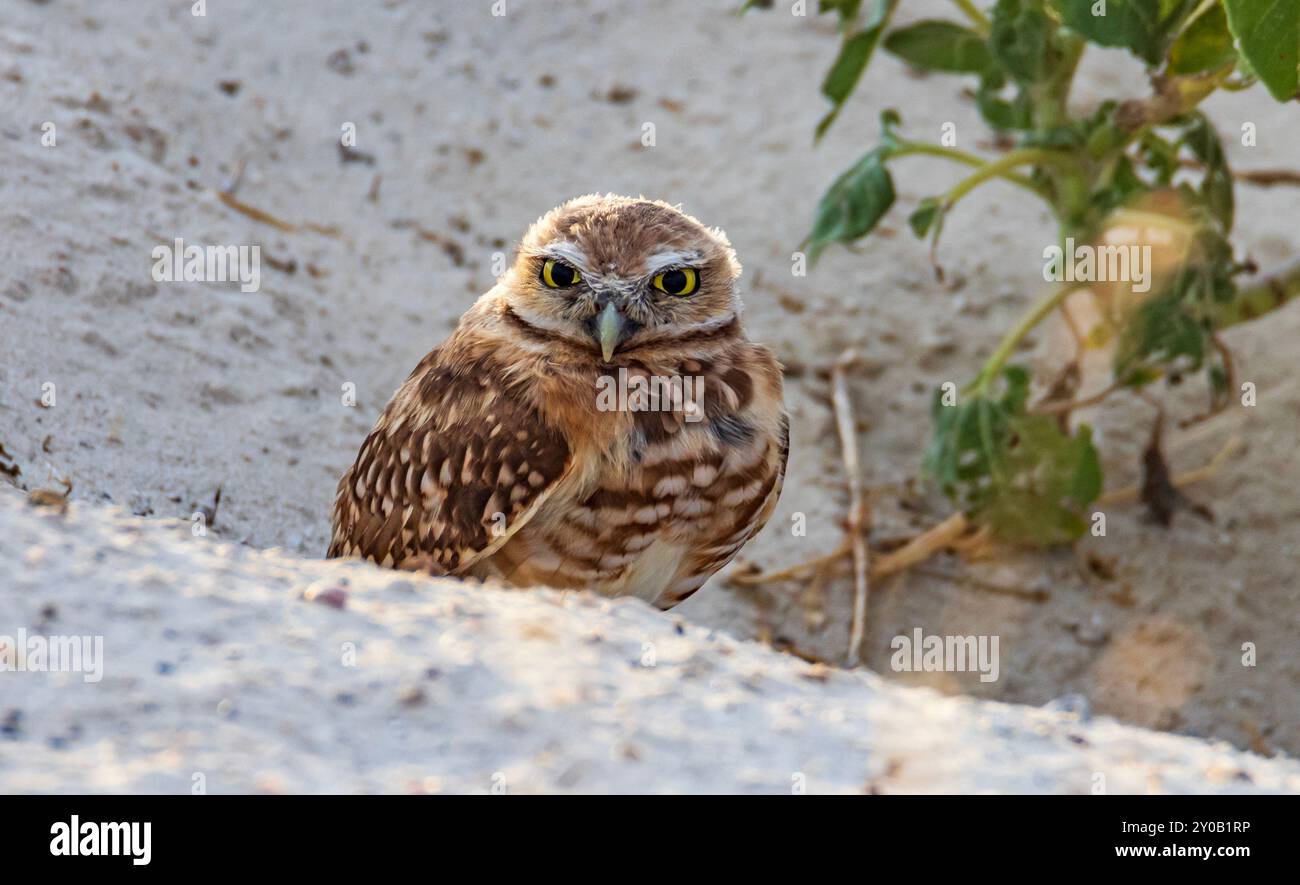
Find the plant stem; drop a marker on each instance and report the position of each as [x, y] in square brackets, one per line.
[1200, 10]
[1002, 167]
[934, 150]
[993, 366]
[977, 18]
[924, 147]
[1262, 296]
[1051, 96]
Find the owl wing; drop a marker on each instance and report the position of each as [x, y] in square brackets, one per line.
[782, 459]
[747, 517]
[458, 462]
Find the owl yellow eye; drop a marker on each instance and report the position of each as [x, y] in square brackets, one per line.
[559, 275]
[683, 281]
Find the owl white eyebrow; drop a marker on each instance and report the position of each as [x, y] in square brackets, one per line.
[566, 251]
[671, 259]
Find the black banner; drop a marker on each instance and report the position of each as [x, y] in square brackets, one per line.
[328, 833]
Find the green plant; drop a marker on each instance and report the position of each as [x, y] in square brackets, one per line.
[1153, 163]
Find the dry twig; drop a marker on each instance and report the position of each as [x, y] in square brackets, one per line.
[858, 516]
[949, 534]
[1034, 595]
[1268, 177]
[922, 547]
[799, 570]
[1057, 407]
[265, 217]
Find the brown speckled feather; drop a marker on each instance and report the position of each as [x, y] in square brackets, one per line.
[674, 501]
[496, 459]
[457, 459]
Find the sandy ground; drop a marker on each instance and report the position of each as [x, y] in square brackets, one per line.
[216, 673]
[471, 126]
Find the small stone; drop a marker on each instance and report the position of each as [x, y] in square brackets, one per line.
[334, 597]
[340, 62]
[12, 724]
[1075, 704]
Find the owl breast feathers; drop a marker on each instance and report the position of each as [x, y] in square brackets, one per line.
[598, 419]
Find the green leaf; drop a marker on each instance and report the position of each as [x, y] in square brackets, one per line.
[1141, 26]
[855, 52]
[1204, 45]
[1019, 474]
[1268, 35]
[853, 204]
[923, 218]
[1049, 478]
[1001, 113]
[1169, 333]
[1161, 332]
[1096, 134]
[1120, 188]
[1020, 39]
[1086, 479]
[1216, 186]
[941, 46]
[1103, 133]
[1023, 517]
[1016, 394]
[956, 456]
[1160, 156]
[847, 10]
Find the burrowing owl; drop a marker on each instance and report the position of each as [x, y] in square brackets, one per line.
[597, 420]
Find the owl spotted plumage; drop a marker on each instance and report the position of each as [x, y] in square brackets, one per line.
[500, 458]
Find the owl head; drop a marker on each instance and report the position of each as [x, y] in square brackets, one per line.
[613, 275]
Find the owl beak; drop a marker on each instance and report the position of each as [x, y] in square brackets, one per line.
[610, 328]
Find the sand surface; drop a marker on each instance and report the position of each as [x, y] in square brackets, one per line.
[236, 670]
[469, 127]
